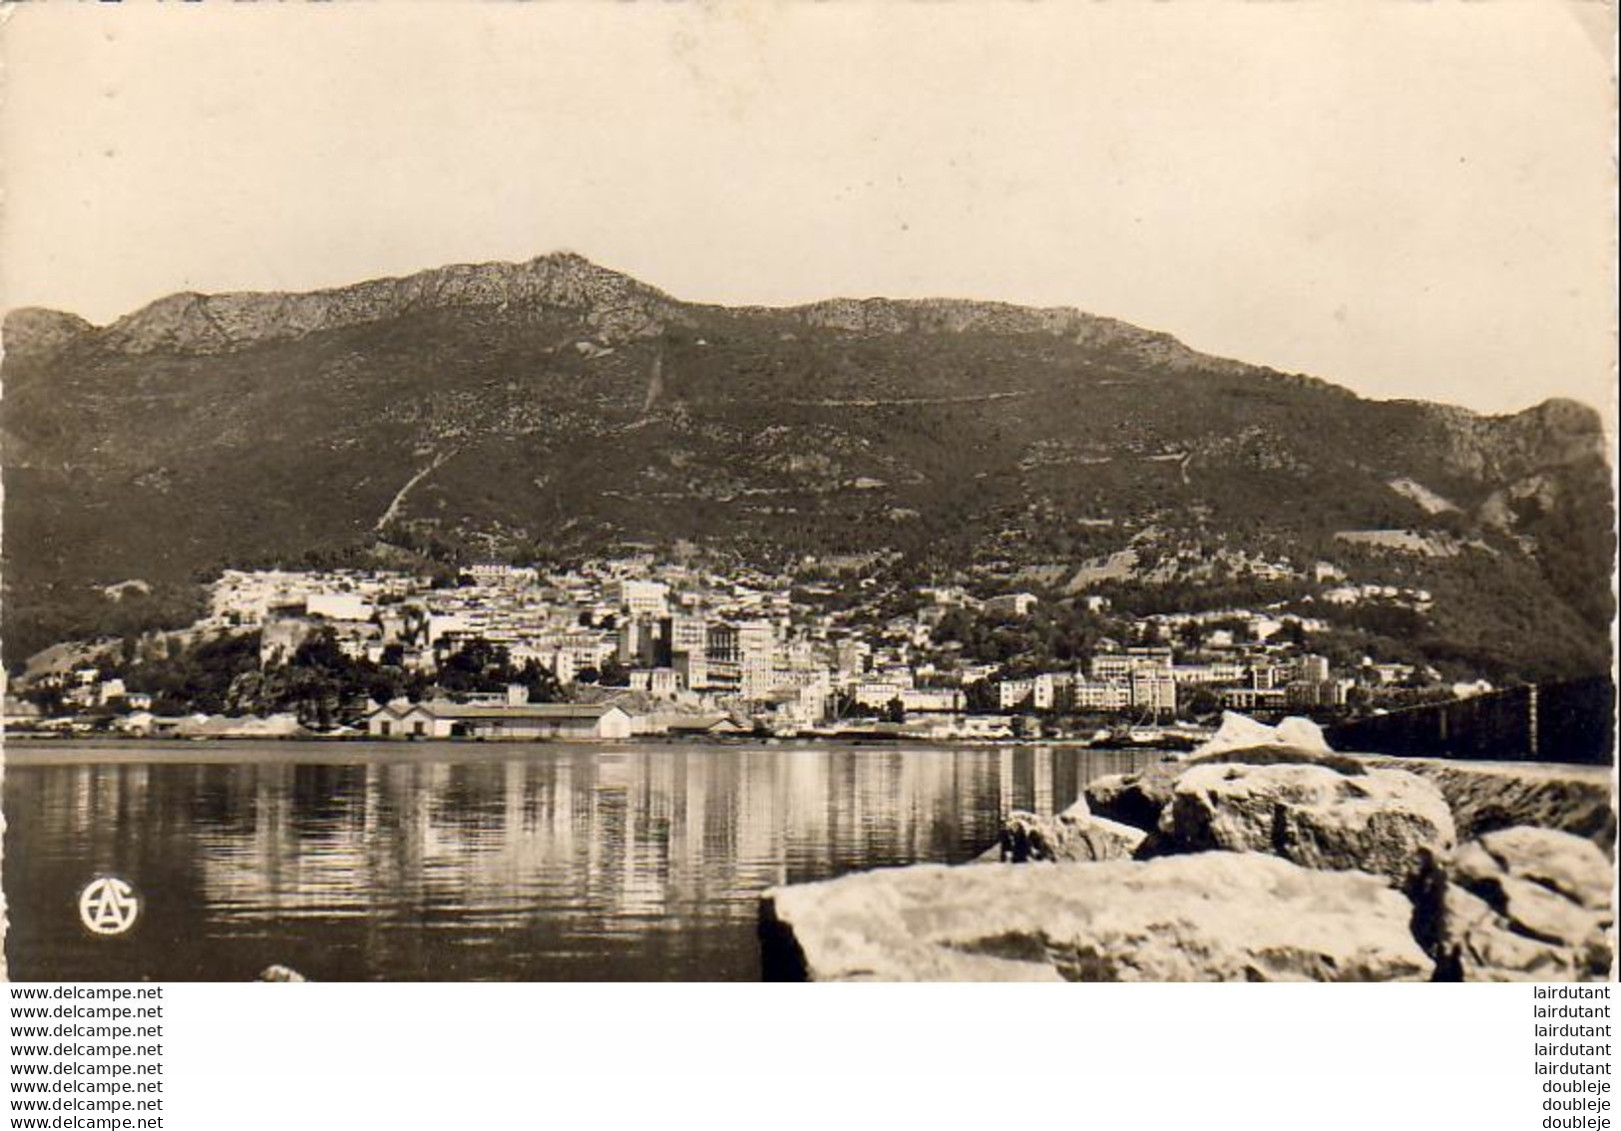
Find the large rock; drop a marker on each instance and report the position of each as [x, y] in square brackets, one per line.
[1073, 835]
[1378, 822]
[1494, 795]
[1240, 732]
[1561, 862]
[276, 972]
[1134, 799]
[1211, 917]
[1479, 945]
[1526, 904]
[1138, 799]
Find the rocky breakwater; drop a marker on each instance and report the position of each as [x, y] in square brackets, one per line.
[1268, 863]
[1485, 796]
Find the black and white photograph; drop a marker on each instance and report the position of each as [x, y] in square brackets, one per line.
[808, 492]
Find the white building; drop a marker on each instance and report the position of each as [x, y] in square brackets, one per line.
[338, 606]
[1153, 690]
[1117, 665]
[501, 574]
[513, 722]
[661, 683]
[1222, 671]
[1104, 695]
[932, 700]
[1314, 669]
[642, 598]
[1037, 693]
[1011, 605]
[1253, 698]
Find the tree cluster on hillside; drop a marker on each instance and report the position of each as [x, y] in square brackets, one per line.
[36, 619]
[1142, 598]
[319, 682]
[196, 678]
[1051, 636]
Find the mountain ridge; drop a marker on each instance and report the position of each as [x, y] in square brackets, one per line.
[231, 320]
[228, 320]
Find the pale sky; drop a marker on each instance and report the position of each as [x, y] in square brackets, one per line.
[1406, 199]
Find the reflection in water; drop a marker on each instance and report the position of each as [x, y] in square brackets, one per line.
[476, 862]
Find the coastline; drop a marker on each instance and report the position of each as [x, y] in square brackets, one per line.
[246, 751]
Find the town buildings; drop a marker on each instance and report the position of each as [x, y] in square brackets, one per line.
[678, 642]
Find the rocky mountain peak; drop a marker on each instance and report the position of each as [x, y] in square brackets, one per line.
[610, 303]
[1555, 433]
[33, 330]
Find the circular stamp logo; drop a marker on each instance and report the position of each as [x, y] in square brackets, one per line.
[108, 906]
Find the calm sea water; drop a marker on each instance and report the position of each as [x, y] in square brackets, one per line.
[454, 861]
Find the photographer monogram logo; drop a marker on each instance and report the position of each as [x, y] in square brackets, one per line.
[108, 906]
